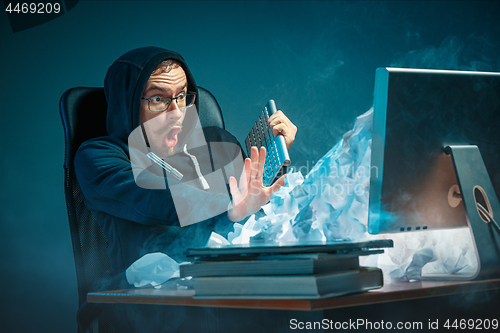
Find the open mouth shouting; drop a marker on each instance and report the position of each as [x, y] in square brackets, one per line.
[171, 138]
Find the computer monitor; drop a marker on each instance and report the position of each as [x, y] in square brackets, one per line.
[417, 113]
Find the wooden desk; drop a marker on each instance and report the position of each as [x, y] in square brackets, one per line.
[418, 302]
[391, 292]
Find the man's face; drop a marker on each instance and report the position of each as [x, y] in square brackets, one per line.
[162, 128]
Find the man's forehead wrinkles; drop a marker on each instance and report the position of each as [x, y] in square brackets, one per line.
[167, 82]
[173, 81]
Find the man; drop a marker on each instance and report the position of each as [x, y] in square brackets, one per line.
[151, 91]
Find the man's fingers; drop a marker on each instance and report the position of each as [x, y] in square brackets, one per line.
[255, 163]
[277, 116]
[245, 174]
[280, 128]
[279, 123]
[278, 184]
[233, 186]
[262, 162]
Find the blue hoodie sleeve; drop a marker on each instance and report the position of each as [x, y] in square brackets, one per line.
[105, 175]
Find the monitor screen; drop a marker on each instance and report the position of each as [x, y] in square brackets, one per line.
[417, 113]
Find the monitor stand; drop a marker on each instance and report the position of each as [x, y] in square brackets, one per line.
[476, 188]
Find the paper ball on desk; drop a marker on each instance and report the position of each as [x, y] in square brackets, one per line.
[152, 268]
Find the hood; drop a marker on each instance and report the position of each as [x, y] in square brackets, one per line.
[124, 85]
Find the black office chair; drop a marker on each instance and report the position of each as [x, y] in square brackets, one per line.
[83, 113]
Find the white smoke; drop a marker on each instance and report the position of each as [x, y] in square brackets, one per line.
[331, 204]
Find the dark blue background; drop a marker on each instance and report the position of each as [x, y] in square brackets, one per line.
[316, 59]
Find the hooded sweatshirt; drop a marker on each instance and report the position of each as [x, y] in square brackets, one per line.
[132, 198]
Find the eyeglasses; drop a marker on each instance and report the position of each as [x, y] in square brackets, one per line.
[158, 103]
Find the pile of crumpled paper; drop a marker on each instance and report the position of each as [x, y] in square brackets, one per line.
[331, 203]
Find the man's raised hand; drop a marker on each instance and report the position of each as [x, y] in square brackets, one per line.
[251, 195]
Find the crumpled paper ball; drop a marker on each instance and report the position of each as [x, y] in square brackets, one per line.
[152, 268]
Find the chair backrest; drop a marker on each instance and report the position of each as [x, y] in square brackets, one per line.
[83, 113]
